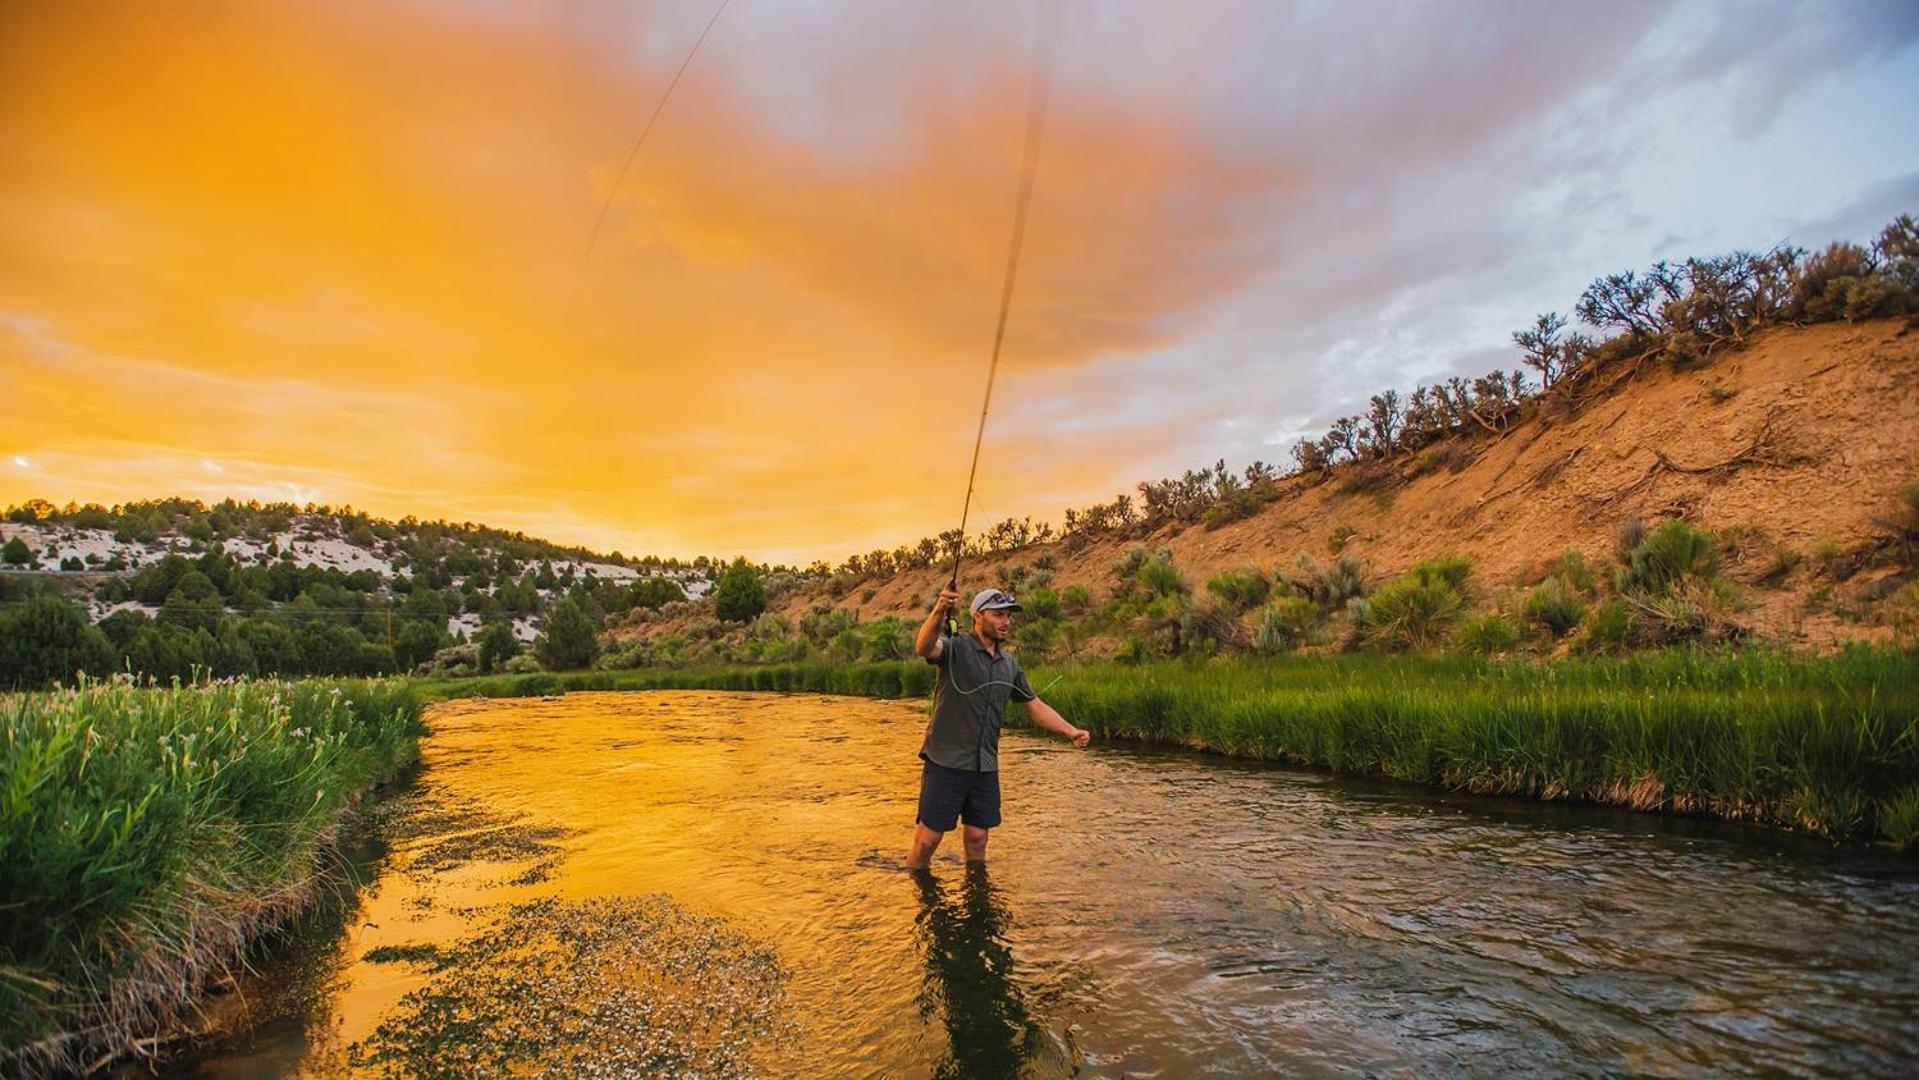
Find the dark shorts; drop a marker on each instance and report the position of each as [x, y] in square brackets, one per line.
[949, 795]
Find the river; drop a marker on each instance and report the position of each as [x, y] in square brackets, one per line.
[683, 882]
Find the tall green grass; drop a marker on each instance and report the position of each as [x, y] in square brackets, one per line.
[1827, 744]
[147, 835]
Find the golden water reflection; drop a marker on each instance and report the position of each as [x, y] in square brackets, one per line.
[710, 882]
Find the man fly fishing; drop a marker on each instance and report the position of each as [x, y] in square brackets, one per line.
[959, 775]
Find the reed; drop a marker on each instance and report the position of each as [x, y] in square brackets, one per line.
[1829, 745]
[149, 835]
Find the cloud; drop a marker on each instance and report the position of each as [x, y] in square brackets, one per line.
[339, 249]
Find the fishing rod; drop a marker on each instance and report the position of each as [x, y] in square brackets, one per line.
[648, 129]
[1040, 91]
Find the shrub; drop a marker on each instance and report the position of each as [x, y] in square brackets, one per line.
[1333, 585]
[1576, 573]
[739, 596]
[1668, 556]
[1042, 604]
[887, 639]
[451, 662]
[1240, 591]
[1843, 282]
[1555, 607]
[848, 644]
[16, 553]
[1076, 600]
[569, 639]
[1671, 582]
[1417, 610]
[523, 664]
[1608, 629]
[498, 644]
[1157, 577]
[1206, 630]
[1341, 536]
[1286, 624]
[49, 640]
[415, 643]
[1487, 635]
[1126, 568]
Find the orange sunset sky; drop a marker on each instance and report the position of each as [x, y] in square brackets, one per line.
[337, 251]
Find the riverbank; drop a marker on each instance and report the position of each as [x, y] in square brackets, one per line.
[1822, 744]
[148, 836]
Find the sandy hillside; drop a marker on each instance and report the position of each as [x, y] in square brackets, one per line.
[1796, 442]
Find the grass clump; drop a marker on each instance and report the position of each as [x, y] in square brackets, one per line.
[1285, 625]
[147, 835]
[1487, 635]
[1418, 609]
[1240, 591]
[1669, 579]
[1554, 607]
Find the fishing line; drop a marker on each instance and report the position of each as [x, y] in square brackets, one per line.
[1041, 88]
[648, 129]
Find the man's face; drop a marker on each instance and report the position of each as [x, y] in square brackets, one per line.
[994, 624]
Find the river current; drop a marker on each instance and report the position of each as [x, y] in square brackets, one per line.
[694, 882]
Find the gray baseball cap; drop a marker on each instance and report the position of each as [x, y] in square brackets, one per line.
[995, 600]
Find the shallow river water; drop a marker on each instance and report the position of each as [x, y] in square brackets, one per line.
[708, 883]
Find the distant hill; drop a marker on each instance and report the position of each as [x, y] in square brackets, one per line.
[1797, 452]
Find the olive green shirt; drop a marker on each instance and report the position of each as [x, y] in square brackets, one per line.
[969, 702]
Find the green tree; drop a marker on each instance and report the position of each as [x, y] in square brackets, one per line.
[16, 553]
[415, 643]
[569, 640]
[740, 596]
[194, 603]
[654, 593]
[48, 639]
[497, 645]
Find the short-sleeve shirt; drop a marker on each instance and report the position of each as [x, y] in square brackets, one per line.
[969, 702]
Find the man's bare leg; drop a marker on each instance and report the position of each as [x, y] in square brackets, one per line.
[925, 842]
[975, 839]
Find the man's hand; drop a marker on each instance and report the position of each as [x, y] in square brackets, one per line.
[928, 643]
[1081, 737]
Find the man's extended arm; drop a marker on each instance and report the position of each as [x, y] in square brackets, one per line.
[928, 643]
[1047, 717]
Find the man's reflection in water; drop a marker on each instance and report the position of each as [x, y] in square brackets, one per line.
[969, 978]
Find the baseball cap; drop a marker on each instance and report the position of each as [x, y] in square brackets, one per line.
[994, 599]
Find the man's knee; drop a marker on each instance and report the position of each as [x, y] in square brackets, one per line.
[975, 840]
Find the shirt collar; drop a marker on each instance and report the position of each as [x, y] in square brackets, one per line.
[981, 645]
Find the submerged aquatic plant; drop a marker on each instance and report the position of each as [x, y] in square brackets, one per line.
[607, 986]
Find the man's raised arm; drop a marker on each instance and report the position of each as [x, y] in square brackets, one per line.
[928, 643]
